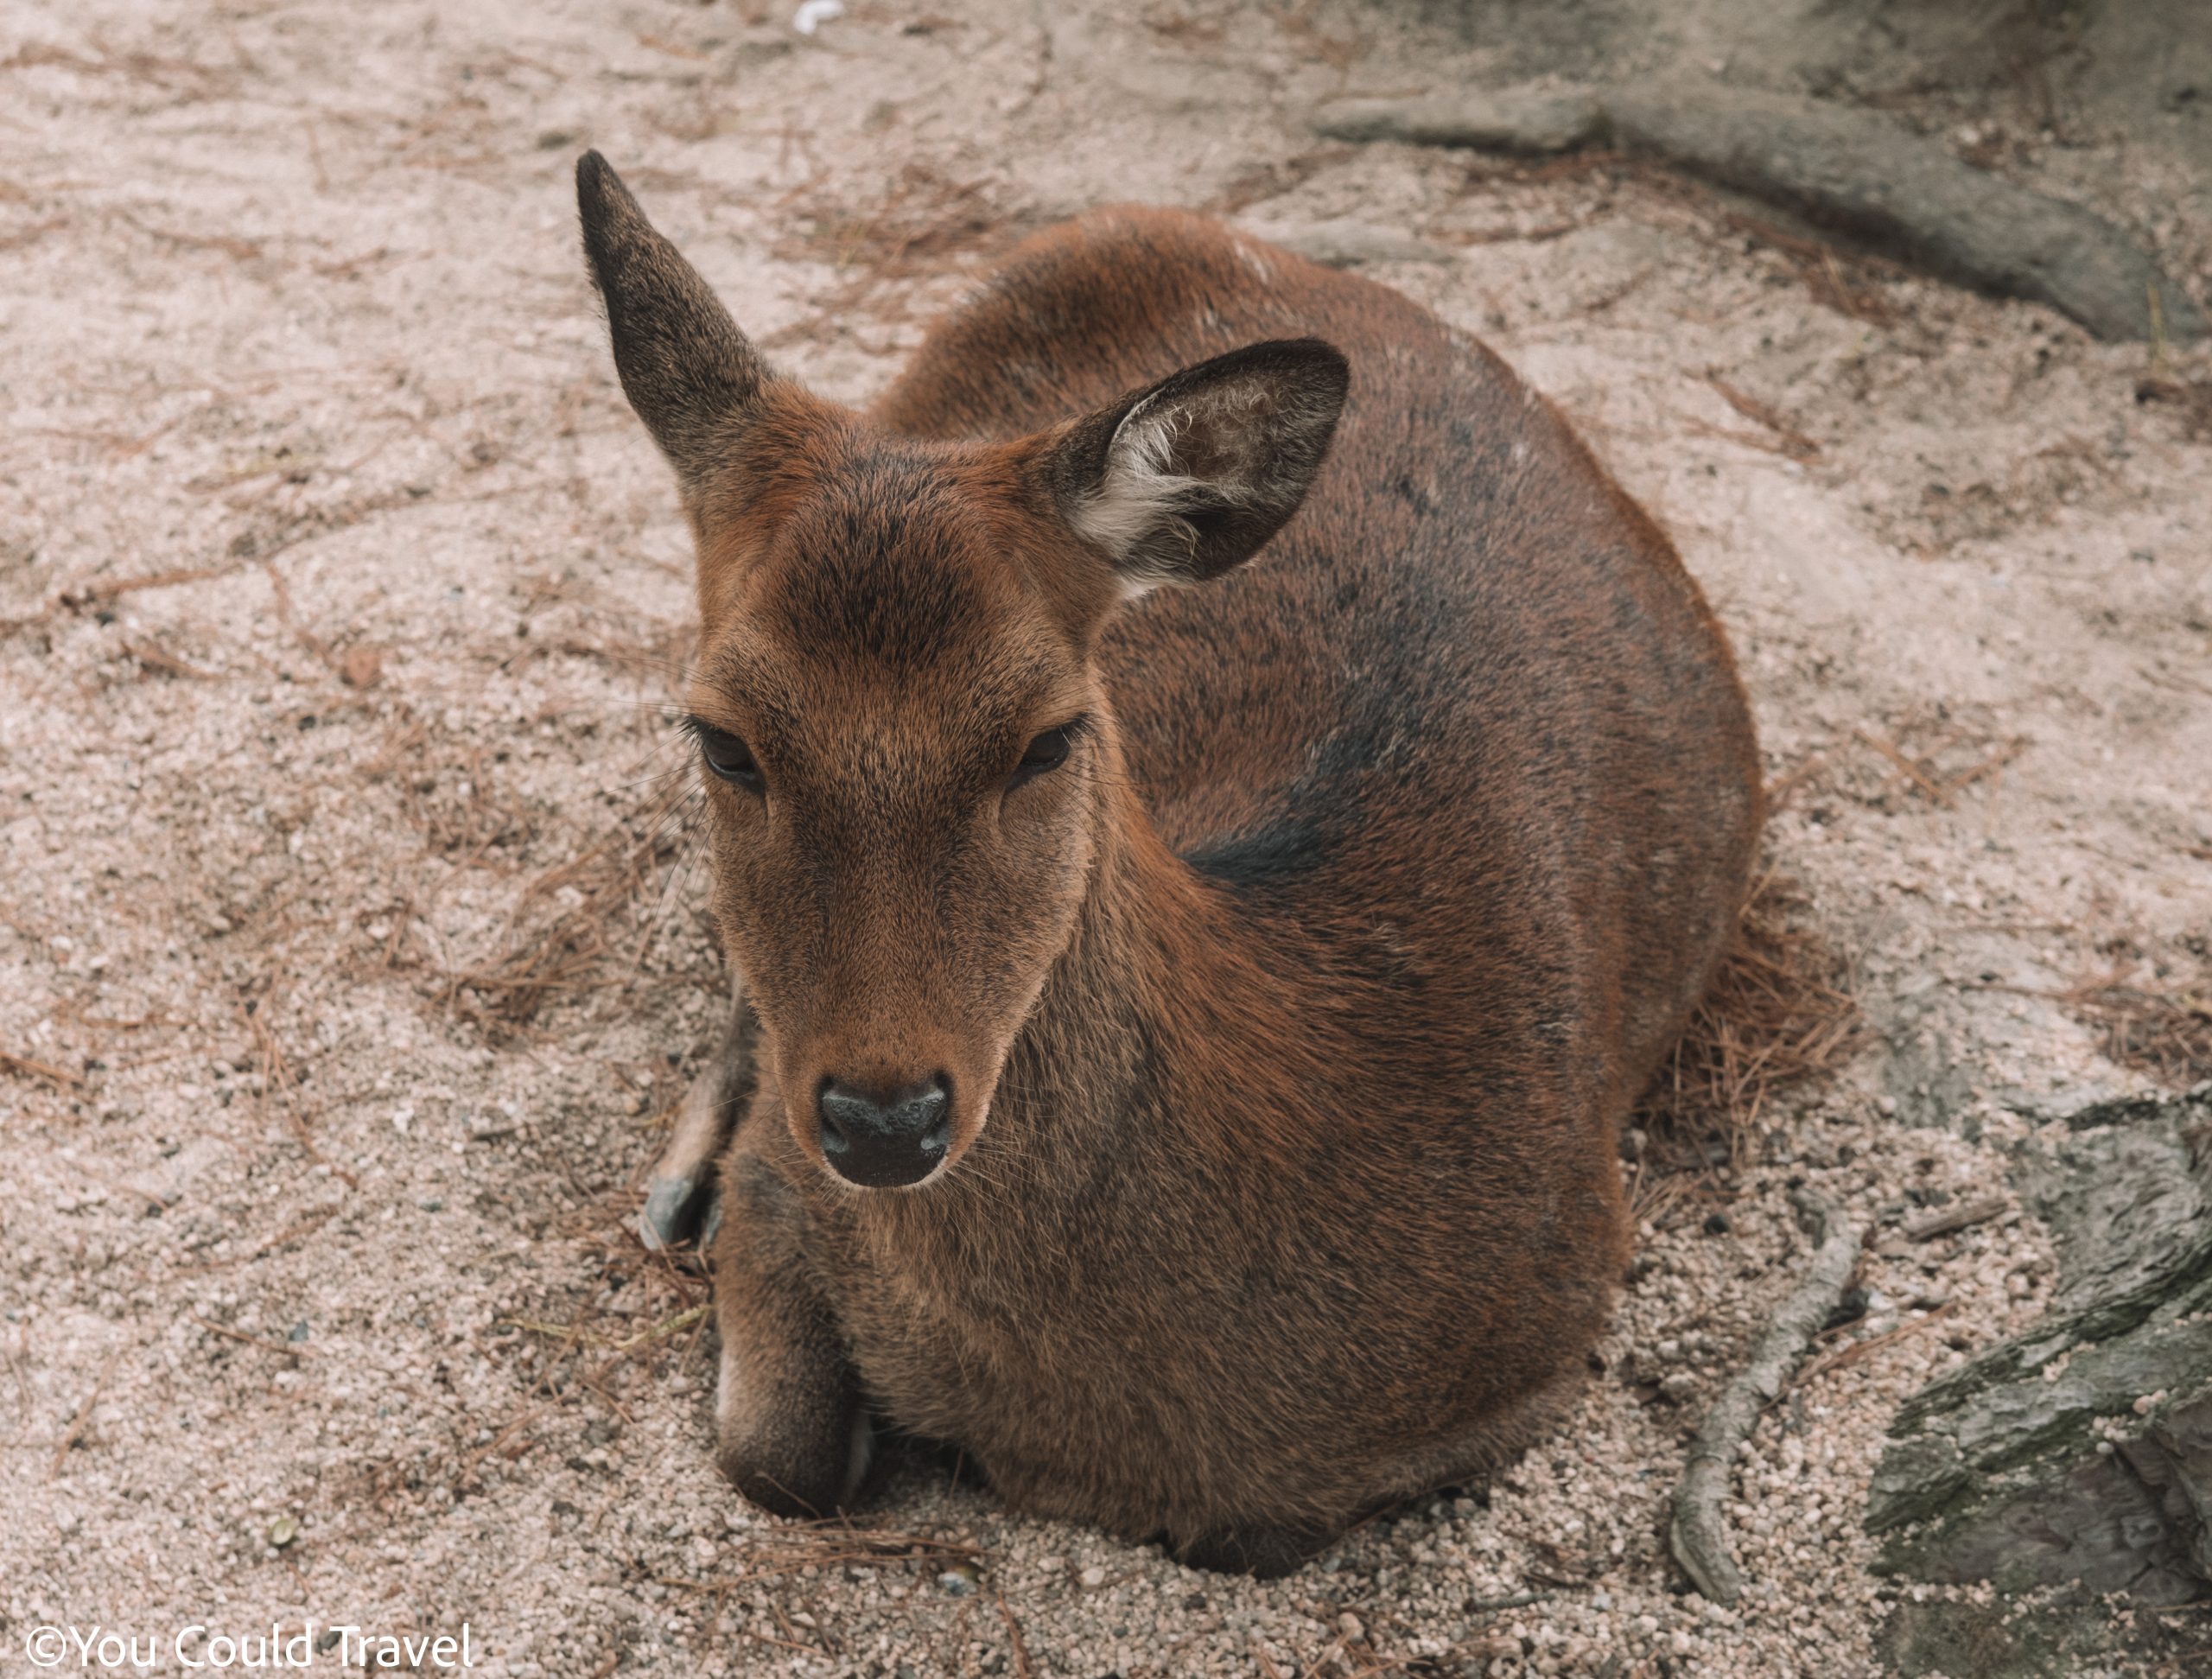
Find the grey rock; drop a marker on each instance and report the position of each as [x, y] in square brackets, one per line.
[2124, 1200]
[2069, 1635]
[2010, 1470]
[1926, 1075]
[1503, 119]
[1962, 1641]
[2122, 1110]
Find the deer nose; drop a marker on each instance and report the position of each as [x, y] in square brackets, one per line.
[882, 1142]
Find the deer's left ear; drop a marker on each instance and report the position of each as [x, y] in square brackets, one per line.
[693, 378]
[1178, 483]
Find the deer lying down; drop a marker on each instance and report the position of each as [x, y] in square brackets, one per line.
[1201, 957]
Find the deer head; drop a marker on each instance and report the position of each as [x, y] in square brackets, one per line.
[911, 766]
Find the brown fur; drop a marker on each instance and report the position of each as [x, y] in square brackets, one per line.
[1290, 1023]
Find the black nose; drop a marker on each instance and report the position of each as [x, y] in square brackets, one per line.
[879, 1141]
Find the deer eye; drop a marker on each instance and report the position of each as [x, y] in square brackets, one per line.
[1045, 753]
[729, 757]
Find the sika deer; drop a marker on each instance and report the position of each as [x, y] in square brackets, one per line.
[1193, 1030]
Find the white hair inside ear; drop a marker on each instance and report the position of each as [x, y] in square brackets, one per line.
[1195, 474]
[1139, 504]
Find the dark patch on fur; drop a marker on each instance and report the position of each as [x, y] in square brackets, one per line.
[1266, 859]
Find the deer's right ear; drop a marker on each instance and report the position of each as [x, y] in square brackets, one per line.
[690, 374]
[1180, 482]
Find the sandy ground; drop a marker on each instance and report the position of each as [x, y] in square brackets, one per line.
[346, 979]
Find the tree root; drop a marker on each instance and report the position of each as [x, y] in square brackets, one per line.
[1836, 164]
[1697, 1535]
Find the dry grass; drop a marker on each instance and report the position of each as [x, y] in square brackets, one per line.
[25, 1064]
[1779, 1012]
[2157, 1021]
[1847, 281]
[788, 1547]
[184, 80]
[587, 920]
[891, 256]
[1784, 438]
[1928, 755]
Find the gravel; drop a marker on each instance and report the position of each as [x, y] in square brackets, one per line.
[340, 597]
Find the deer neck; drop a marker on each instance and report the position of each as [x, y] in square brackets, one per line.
[1163, 972]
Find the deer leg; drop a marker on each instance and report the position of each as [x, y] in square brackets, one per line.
[792, 1433]
[681, 1198]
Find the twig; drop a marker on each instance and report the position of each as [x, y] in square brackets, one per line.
[660, 1331]
[306, 636]
[61, 1075]
[267, 1345]
[307, 1226]
[1783, 787]
[169, 665]
[744, 1631]
[1696, 1535]
[155, 1203]
[502, 1445]
[94, 594]
[1022, 1670]
[1795, 444]
[1918, 777]
[14, 1357]
[77, 1423]
[1845, 1357]
[2172, 679]
[1928, 1228]
[278, 1076]
[1989, 765]
[237, 249]
[1517, 1600]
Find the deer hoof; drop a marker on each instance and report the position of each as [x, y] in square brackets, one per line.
[676, 1208]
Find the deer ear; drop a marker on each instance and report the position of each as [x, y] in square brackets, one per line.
[691, 376]
[1180, 482]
